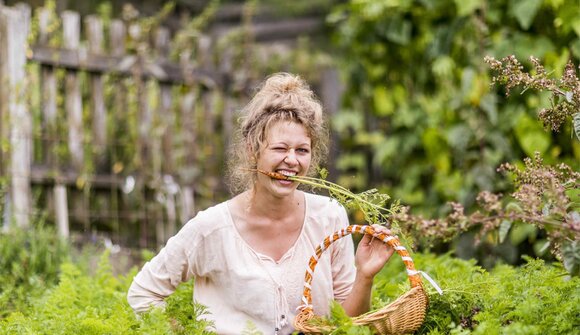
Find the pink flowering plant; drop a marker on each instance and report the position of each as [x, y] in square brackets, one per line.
[565, 99]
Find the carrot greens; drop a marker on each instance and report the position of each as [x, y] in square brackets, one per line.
[371, 202]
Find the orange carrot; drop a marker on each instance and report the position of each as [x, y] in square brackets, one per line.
[272, 174]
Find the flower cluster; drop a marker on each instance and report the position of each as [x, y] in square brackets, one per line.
[565, 91]
[543, 193]
[541, 197]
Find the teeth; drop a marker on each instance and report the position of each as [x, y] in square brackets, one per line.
[288, 173]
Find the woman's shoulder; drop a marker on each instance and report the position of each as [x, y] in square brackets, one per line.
[324, 206]
[210, 219]
[317, 201]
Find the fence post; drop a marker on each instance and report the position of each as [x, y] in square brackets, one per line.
[16, 118]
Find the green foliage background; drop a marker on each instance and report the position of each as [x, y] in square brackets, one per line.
[420, 120]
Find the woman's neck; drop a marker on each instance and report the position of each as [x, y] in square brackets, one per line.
[262, 204]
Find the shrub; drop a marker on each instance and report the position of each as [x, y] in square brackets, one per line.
[29, 262]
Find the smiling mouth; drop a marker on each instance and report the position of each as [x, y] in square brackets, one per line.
[287, 173]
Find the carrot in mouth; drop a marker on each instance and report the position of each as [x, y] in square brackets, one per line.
[272, 174]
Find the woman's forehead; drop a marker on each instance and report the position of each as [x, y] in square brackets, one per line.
[287, 131]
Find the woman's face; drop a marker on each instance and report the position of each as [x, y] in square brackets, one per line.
[287, 150]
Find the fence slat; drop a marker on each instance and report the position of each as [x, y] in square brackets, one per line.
[44, 16]
[171, 211]
[14, 27]
[48, 95]
[71, 24]
[73, 102]
[61, 210]
[166, 116]
[95, 36]
[187, 204]
[331, 96]
[117, 34]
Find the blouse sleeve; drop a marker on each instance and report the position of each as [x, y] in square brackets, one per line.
[343, 269]
[160, 277]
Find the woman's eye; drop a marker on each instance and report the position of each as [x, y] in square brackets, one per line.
[303, 150]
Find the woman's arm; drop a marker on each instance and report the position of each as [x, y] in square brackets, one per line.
[160, 277]
[371, 256]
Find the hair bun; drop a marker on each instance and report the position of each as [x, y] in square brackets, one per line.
[283, 83]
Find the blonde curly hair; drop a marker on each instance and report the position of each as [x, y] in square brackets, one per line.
[281, 97]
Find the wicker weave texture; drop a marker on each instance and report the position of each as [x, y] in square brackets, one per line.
[403, 316]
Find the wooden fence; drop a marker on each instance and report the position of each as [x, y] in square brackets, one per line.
[103, 132]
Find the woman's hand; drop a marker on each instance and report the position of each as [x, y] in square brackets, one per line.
[372, 254]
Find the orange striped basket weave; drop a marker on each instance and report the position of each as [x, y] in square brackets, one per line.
[403, 316]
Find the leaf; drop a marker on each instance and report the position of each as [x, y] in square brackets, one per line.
[571, 257]
[531, 136]
[467, 7]
[459, 136]
[521, 232]
[399, 31]
[435, 145]
[489, 104]
[577, 125]
[348, 119]
[382, 101]
[504, 229]
[525, 11]
[386, 151]
[541, 246]
[513, 207]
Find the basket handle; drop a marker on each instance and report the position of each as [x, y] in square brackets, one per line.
[392, 241]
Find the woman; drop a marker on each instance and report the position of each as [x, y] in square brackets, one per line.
[248, 255]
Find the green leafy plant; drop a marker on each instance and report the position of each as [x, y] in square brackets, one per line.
[419, 119]
[30, 260]
[539, 298]
[84, 303]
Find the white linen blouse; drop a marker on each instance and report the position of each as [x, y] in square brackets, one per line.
[240, 285]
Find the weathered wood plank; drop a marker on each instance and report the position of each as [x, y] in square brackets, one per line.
[94, 30]
[167, 116]
[61, 210]
[14, 28]
[331, 90]
[117, 32]
[49, 114]
[276, 30]
[187, 204]
[164, 112]
[145, 122]
[44, 16]
[73, 101]
[189, 130]
[48, 94]
[43, 175]
[164, 72]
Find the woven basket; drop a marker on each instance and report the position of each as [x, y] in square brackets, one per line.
[402, 316]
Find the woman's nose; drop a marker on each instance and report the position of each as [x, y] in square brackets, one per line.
[291, 157]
